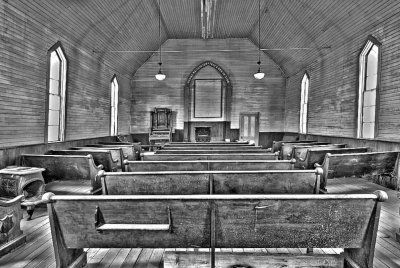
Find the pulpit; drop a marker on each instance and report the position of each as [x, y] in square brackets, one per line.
[160, 126]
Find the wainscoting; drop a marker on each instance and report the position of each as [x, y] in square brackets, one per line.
[9, 155]
[374, 145]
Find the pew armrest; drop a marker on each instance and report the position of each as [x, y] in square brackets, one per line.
[10, 202]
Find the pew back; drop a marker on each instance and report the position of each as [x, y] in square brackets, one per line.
[287, 148]
[277, 145]
[215, 151]
[100, 157]
[179, 157]
[211, 182]
[357, 164]
[133, 166]
[301, 150]
[316, 155]
[183, 144]
[214, 148]
[223, 221]
[63, 168]
[116, 153]
[131, 152]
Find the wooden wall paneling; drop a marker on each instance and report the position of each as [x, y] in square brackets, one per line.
[334, 84]
[30, 29]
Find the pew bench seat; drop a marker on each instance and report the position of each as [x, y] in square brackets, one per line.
[79, 187]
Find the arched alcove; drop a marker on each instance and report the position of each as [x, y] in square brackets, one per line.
[196, 86]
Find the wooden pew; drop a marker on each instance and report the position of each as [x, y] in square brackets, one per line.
[136, 145]
[222, 151]
[300, 151]
[178, 157]
[213, 148]
[277, 145]
[219, 221]
[212, 182]
[66, 174]
[116, 153]
[131, 152]
[134, 166]
[316, 155]
[357, 164]
[199, 144]
[100, 157]
[287, 147]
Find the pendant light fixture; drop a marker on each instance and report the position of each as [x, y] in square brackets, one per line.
[259, 74]
[159, 76]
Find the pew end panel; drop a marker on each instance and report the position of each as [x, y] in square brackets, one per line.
[11, 235]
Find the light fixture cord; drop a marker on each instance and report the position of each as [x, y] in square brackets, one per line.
[159, 29]
[259, 23]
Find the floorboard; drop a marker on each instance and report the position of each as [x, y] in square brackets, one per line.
[38, 251]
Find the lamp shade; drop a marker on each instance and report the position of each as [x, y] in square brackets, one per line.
[160, 76]
[259, 75]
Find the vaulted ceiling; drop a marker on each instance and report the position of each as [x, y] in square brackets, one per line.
[124, 33]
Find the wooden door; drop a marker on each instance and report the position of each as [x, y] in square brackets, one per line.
[249, 124]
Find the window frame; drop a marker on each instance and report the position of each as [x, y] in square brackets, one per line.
[114, 127]
[302, 103]
[362, 77]
[58, 48]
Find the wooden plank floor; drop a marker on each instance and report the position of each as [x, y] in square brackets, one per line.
[38, 250]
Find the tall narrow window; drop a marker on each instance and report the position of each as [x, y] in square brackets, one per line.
[56, 95]
[304, 103]
[114, 107]
[368, 85]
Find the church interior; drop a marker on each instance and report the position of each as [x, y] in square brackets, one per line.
[199, 133]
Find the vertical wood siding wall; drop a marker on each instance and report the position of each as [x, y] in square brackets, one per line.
[333, 89]
[266, 96]
[27, 32]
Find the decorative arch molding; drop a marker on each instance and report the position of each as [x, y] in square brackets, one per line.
[205, 64]
[188, 97]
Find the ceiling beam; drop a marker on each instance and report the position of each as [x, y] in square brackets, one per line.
[207, 15]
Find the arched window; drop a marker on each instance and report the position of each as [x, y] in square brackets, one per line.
[56, 94]
[304, 103]
[114, 107]
[368, 85]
